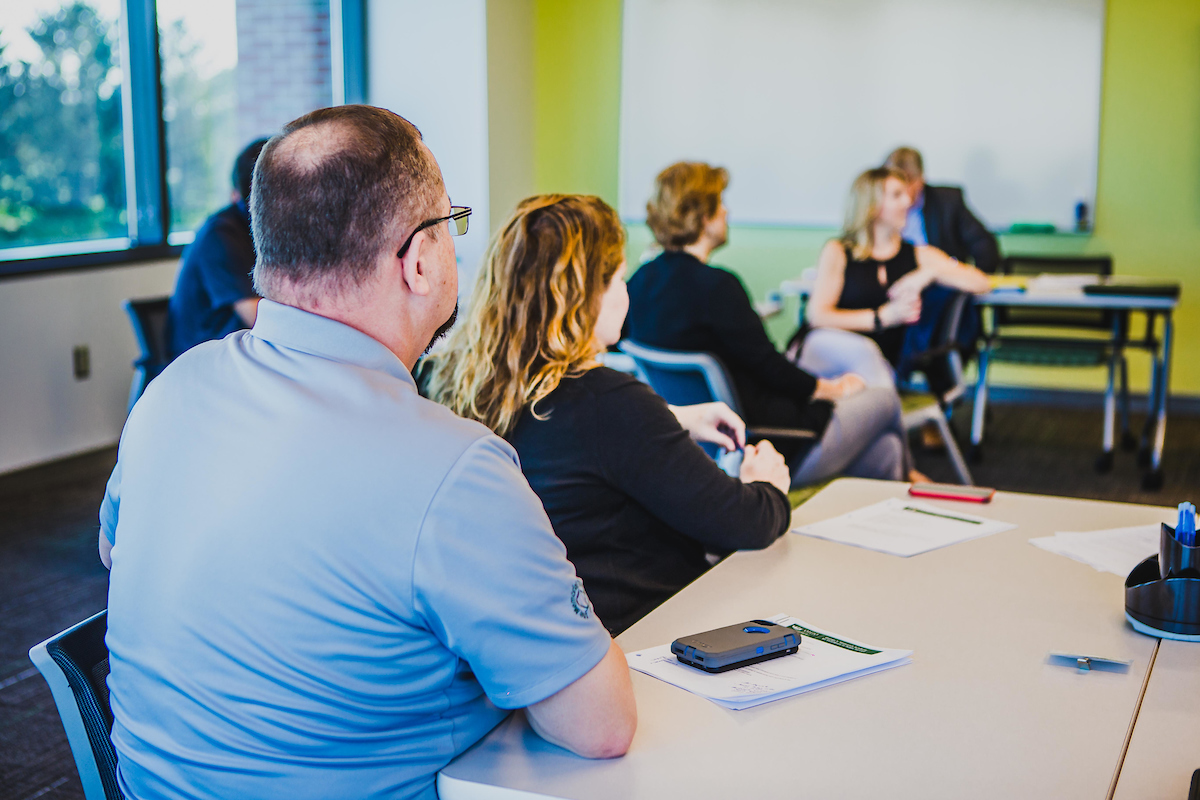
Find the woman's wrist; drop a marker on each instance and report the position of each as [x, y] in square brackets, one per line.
[883, 317]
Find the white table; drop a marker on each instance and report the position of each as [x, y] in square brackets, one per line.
[1154, 433]
[980, 713]
[1165, 748]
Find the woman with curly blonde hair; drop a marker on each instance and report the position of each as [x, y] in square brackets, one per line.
[636, 502]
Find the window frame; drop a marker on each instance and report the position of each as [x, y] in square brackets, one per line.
[147, 198]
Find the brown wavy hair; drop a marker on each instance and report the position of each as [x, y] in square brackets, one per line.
[862, 209]
[533, 311]
[686, 195]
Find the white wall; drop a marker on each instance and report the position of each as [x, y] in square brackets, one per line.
[797, 97]
[44, 412]
[428, 63]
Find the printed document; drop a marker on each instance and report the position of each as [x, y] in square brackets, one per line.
[822, 660]
[903, 527]
[1116, 550]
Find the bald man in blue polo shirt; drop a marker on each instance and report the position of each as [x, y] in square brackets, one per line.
[322, 584]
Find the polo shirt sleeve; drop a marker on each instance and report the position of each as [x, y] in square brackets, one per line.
[492, 582]
[111, 504]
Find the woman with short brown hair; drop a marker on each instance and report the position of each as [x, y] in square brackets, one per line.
[679, 302]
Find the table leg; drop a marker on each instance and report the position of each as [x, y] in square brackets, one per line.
[1104, 463]
[1154, 478]
[980, 403]
[1144, 444]
[1128, 441]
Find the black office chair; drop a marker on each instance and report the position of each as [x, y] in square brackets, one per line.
[942, 367]
[75, 665]
[149, 319]
[1059, 337]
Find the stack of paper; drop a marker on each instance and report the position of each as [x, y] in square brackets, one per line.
[823, 660]
[1060, 284]
[903, 527]
[1116, 550]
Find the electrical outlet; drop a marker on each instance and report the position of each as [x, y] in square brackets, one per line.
[81, 357]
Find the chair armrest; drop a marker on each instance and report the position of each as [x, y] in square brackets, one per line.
[779, 433]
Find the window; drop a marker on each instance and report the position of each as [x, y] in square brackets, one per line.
[102, 161]
[62, 162]
[233, 71]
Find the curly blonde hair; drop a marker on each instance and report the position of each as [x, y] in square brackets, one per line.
[862, 209]
[686, 195]
[533, 312]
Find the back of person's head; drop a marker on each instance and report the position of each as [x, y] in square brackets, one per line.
[243, 168]
[533, 311]
[862, 209]
[686, 195]
[331, 193]
[908, 161]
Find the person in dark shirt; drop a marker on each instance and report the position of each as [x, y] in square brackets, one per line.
[678, 302]
[636, 502]
[214, 295]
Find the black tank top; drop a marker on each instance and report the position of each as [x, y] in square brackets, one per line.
[861, 289]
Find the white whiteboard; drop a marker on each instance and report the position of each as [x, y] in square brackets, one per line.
[796, 97]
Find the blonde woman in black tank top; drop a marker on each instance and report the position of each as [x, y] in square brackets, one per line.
[869, 284]
[868, 289]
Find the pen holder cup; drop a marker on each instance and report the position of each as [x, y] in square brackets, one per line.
[1176, 560]
[1162, 594]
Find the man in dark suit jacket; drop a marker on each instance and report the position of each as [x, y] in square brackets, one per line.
[939, 217]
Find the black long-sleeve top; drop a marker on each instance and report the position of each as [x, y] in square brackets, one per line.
[634, 499]
[677, 302]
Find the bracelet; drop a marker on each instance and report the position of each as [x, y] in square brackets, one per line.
[878, 322]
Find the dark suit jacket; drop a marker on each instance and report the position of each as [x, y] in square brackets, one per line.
[951, 227]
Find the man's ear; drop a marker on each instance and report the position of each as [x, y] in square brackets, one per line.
[414, 271]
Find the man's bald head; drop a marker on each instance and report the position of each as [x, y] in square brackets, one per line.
[330, 194]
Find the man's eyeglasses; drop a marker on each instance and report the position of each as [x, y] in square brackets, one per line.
[459, 217]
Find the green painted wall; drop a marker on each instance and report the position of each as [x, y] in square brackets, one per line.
[1148, 203]
[577, 92]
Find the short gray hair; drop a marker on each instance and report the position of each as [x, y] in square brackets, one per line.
[332, 191]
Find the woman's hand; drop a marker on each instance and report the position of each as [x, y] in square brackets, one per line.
[762, 462]
[837, 388]
[712, 422]
[913, 283]
[904, 309]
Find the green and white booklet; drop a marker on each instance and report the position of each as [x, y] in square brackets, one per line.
[823, 659]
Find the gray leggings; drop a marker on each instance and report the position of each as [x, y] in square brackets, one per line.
[865, 437]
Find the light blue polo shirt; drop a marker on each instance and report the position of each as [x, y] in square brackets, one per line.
[323, 585]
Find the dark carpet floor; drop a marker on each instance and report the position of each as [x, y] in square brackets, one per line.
[50, 576]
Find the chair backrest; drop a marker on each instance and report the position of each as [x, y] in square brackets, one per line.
[1057, 317]
[148, 315]
[683, 378]
[75, 665]
[942, 363]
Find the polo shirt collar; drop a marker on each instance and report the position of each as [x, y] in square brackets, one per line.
[295, 329]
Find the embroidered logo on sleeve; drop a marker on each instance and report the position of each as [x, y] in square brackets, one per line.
[579, 599]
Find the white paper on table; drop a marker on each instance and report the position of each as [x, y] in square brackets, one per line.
[822, 660]
[903, 527]
[1060, 284]
[1115, 550]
